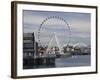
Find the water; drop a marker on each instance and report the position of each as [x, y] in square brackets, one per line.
[72, 61]
[79, 60]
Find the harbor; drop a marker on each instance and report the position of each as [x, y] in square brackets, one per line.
[72, 61]
[38, 56]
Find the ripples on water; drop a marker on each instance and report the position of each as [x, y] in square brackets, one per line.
[72, 61]
[79, 60]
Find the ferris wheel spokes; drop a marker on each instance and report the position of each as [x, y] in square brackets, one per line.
[54, 37]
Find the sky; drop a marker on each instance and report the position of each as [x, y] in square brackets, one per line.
[79, 28]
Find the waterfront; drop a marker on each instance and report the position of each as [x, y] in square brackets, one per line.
[77, 60]
[71, 61]
[47, 56]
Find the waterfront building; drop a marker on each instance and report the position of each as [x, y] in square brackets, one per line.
[28, 44]
[28, 48]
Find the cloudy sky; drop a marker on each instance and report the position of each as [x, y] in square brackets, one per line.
[79, 24]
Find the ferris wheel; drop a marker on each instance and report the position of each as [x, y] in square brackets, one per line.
[54, 27]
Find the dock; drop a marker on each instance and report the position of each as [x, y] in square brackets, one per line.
[31, 54]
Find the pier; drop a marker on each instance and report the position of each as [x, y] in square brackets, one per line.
[39, 61]
[34, 55]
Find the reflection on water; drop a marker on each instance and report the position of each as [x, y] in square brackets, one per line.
[72, 61]
[79, 60]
